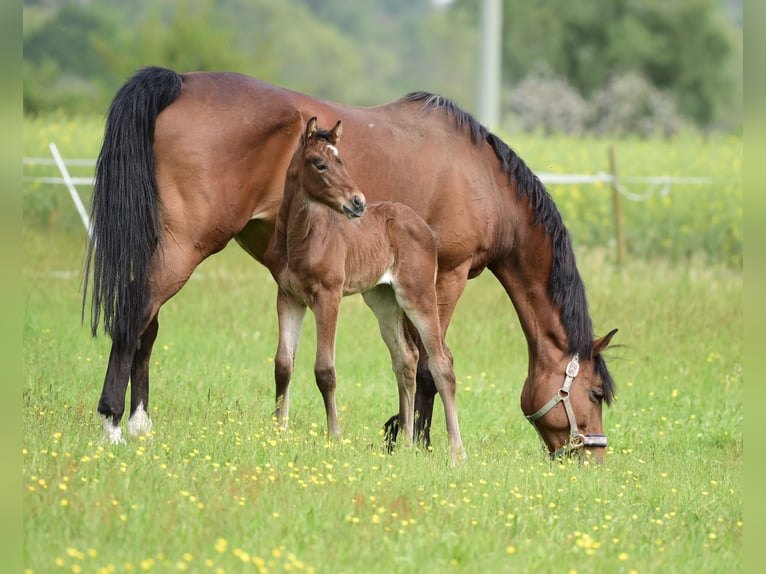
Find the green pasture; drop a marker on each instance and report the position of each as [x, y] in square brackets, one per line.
[215, 489]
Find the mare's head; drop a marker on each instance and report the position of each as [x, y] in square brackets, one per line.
[565, 402]
[324, 176]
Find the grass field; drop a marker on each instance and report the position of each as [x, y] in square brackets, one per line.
[215, 490]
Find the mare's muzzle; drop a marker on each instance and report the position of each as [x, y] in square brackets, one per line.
[577, 440]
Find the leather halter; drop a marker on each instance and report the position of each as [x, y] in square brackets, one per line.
[577, 440]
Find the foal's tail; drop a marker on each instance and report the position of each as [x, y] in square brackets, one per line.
[124, 219]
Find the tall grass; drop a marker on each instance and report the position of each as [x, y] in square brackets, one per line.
[215, 489]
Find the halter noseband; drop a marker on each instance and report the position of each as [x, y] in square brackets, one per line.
[577, 440]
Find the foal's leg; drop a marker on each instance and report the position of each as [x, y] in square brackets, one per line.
[449, 287]
[326, 308]
[403, 351]
[291, 315]
[420, 307]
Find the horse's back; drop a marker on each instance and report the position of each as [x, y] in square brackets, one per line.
[223, 147]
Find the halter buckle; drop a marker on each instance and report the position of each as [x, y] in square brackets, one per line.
[574, 366]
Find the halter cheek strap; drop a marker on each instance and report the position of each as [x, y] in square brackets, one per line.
[576, 439]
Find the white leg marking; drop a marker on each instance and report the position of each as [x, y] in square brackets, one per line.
[112, 433]
[140, 423]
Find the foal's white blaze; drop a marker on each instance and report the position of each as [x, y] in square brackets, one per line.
[140, 423]
[334, 150]
[112, 433]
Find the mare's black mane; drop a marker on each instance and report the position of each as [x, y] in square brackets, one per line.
[565, 286]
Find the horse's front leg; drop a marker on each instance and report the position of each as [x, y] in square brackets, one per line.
[326, 309]
[139, 422]
[425, 393]
[290, 314]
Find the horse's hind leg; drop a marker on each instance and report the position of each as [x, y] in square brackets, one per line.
[111, 405]
[139, 422]
[403, 351]
[171, 268]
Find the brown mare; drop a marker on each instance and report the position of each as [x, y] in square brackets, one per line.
[191, 161]
[328, 243]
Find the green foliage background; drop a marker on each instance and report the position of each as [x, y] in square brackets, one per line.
[76, 54]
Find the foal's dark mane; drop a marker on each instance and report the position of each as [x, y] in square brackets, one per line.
[320, 134]
[565, 285]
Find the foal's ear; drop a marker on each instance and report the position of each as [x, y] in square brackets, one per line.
[311, 128]
[600, 345]
[336, 132]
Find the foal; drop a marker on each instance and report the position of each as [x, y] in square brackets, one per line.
[329, 243]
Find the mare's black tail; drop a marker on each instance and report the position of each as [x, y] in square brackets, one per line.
[124, 218]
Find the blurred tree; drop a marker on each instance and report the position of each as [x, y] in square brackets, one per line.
[78, 52]
[544, 103]
[680, 46]
[183, 37]
[60, 61]
[629, 104]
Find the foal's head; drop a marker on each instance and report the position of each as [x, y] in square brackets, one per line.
[324, 176]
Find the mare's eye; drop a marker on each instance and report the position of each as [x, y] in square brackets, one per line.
[596, 396]
[320, 165]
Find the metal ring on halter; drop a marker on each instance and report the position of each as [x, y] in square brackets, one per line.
[577, 441]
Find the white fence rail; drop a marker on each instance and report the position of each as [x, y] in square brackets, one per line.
[658, 184]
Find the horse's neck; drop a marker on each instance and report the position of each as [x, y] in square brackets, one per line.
[527, 281]
[307, 221]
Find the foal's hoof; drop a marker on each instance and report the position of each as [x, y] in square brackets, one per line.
[391, 429]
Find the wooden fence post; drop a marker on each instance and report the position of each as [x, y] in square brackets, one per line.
[620, 241]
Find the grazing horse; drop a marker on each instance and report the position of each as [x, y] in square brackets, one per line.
[191, 161]
[328, 243]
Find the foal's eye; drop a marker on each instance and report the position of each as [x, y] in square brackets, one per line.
[320, 165]
[596, 396]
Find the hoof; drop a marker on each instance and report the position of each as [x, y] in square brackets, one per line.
[140, 424]
[391, 430]
[112, 433]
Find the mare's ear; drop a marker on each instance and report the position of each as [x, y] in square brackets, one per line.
[311, 128]
[336, 133]
[600, 345]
